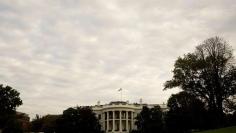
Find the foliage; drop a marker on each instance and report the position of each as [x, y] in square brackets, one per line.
[12, 125]
[45, 124]
[49, 123]
[9, 100]
[73, 120]
[78, 120]
[222, 130]
[231, 119]
[149, 120]
[185, 113]
[209, 74]
[230, 105]
[36, 124]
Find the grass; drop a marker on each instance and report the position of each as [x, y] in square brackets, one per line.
[222, 130]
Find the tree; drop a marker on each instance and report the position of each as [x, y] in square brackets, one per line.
[231, 119]
[149, 120]
[79, 119]
[186, 112]
[12, 125]
[9, 101]
[36, 124]
[209, 74]
[46, 124]
[49, 123]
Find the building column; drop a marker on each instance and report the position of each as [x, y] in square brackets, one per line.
[120, 128]
[127, 113]
[103, 120]
[107, 121]
[113, 122]
[132, 120]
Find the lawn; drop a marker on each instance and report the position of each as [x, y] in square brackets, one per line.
[222, 130]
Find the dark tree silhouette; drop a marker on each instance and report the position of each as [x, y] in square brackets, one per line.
[12, 125]
[149, 120]
[78, 120]
[209, 74]
[46, 124]
[9, 101]
[36, 124]
[49, 123]
[185, 113]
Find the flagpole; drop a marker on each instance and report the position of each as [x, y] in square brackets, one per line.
[121, 94]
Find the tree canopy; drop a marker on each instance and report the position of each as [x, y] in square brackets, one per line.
[78, 120]
[46, 124]
[150, 120]
[186, 112]
[9, 101]
[209, 73]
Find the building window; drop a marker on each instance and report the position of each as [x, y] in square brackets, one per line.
[105, 126]
[110, 115]
[110, 126]
[105, 115]
[124, 125]
[123, 114]
[117, 125]
[117, 115]
[129, 114]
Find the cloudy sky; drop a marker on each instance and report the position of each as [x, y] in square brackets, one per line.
[62, 53]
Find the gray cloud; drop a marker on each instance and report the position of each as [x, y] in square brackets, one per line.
[59, 54]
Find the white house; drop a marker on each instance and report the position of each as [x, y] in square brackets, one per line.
[119, 116]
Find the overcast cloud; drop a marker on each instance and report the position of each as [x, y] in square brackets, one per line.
[63, 53]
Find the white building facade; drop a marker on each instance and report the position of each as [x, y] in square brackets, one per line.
[119, 116]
